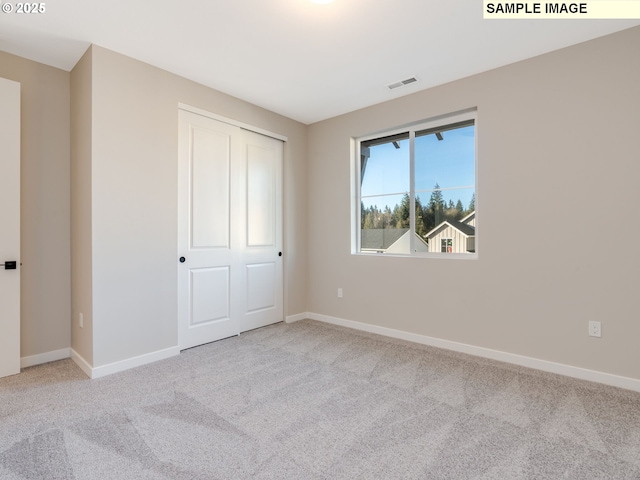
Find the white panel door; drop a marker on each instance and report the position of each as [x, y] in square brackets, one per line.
[207, 309]
[9, 227]
[229, 220]
[262, 235]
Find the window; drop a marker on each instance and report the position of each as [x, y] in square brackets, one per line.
[416, 189]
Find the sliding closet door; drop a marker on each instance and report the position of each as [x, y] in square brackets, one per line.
[230, 230]
[261, 238]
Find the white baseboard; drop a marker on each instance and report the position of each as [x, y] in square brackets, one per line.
[121, 366]
[81, 362]
[45, 357]
[297, 318]
[530, 362]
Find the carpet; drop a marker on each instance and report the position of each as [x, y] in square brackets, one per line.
[314, 401]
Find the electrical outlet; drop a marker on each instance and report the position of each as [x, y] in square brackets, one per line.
[81, 320]
[595, 329]
[339, 293]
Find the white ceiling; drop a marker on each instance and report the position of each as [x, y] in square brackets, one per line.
[306, 61]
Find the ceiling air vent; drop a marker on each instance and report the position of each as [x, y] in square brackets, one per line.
[402, 83]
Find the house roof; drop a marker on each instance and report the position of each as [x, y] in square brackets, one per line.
[464, 228]
[469, 217]
[380, 238]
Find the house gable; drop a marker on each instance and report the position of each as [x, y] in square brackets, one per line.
[460, 233]
[380, 239]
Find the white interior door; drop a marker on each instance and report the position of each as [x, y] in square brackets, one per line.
[230, 223]
[261, 241]
[9, 227]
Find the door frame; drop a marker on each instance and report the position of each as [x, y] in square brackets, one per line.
[230, 121]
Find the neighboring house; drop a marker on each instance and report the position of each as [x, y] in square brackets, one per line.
[454, 236]
[389, 240]
[402, 244]
[470, 219]
[378, 240]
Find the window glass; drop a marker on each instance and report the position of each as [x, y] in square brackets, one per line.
[417, 190]
[385, 189]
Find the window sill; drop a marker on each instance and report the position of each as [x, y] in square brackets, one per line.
[436, 256]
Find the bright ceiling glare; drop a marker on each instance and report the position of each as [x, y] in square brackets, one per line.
[321, 2]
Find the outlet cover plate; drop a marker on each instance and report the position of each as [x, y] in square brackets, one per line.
[595, 329]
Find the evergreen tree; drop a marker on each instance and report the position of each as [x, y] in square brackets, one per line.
[427, 218]
[387, 217]
[436, 205]
[402, 212]
[472, 203]
[368, 221]
[420, 227]
[436, 199]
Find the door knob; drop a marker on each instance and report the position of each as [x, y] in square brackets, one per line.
[9, 265]
[182, 259]
[279, 254]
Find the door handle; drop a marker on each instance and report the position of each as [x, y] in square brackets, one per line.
[182, 259]
[279, 254]
[9, 265]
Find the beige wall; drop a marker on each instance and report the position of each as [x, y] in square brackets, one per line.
[134, 146]
[122, 180]
[81, 238]
[45, 217]
[558, 152]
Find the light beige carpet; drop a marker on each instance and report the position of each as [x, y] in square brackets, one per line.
[315, 401]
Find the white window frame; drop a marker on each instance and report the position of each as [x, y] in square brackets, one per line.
[446, 240]
[412, 128]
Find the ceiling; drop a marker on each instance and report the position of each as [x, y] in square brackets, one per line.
[306, 61]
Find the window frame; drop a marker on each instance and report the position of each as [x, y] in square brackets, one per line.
[356, 181]
[449, 243]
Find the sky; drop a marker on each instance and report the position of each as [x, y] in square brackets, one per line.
[449, 162]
